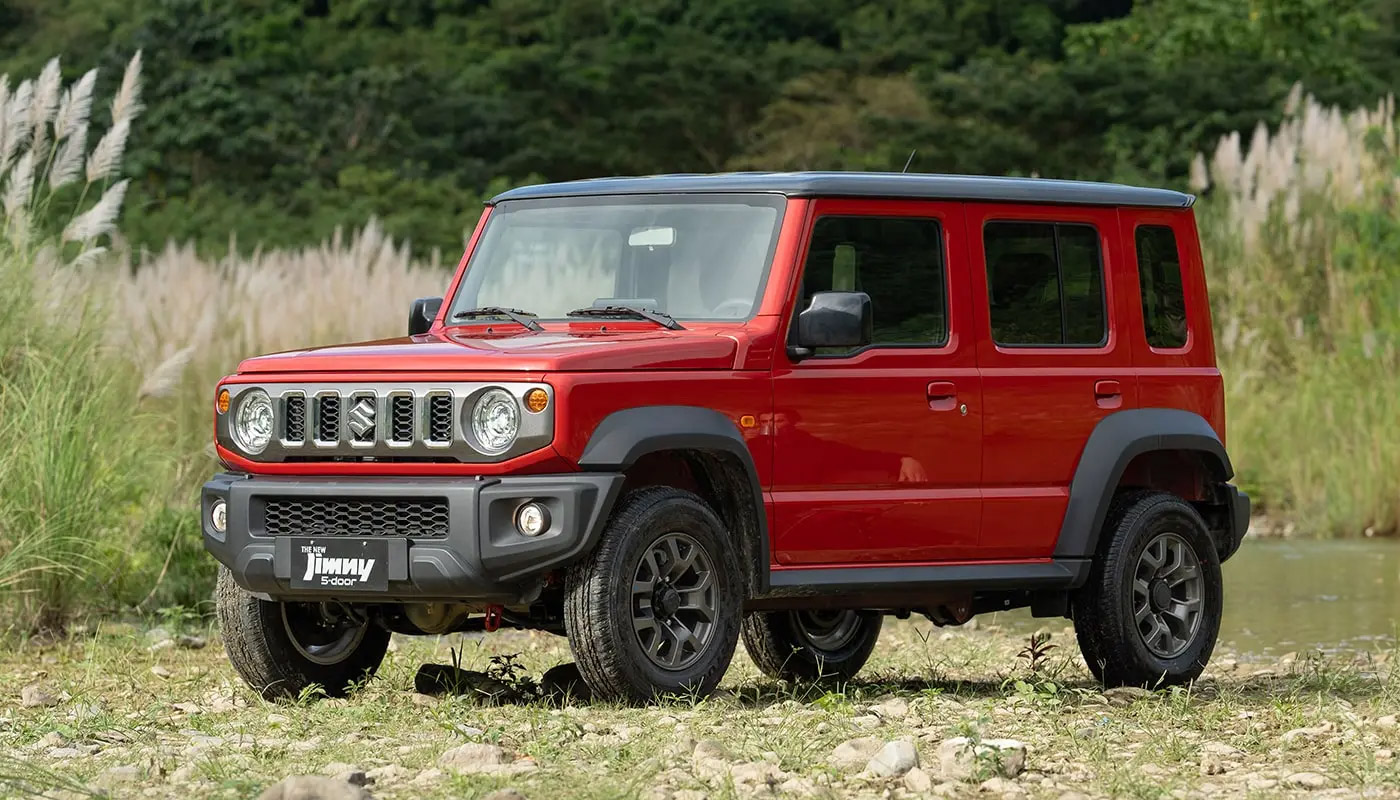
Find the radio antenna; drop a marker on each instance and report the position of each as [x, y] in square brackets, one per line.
[911, 159]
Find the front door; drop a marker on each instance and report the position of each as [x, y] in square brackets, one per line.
[877, 450]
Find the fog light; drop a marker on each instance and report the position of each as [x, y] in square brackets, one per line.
[218, 516]
[532, 519]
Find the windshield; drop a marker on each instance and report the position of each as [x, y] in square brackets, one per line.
[696, 257]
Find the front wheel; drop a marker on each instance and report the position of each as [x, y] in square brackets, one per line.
[1149, 614]
[654, 610]
[811, 645]
[281, 649]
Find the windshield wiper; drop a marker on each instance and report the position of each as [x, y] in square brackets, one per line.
[659, 317]
[513, 314]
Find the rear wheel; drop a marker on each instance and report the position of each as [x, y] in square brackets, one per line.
[654, 610]
[1150, 612]
[281, 649]
[811, 645]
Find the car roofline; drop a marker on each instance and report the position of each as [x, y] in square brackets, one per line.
[908, 186]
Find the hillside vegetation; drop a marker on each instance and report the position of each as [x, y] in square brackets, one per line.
[278, 121]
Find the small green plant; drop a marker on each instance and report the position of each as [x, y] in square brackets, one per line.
[1036, 653]
[506, 668]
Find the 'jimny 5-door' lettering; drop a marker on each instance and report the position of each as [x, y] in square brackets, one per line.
[664, 415]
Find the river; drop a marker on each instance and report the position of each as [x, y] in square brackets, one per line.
[1296, 595]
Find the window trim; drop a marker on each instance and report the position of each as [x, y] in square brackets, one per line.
[1055, 224]
[1181, 275]
[948, 338]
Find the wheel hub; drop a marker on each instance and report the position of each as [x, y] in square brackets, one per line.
[1161, 595]
[665, 600]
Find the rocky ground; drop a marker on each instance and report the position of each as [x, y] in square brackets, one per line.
[123, 711]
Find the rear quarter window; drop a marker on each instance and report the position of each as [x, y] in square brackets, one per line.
[1159, 276]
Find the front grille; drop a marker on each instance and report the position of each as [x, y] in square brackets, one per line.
[419, 517]
[328, 418]
[401, 418]
[440, 418]
[295, 412]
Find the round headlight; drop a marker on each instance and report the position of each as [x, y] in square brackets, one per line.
[252, 425]
[495, 421]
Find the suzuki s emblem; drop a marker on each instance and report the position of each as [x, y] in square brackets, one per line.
[362, 417]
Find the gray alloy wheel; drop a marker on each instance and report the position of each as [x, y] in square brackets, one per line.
[1168, 593]
[811, 644]
[674, 601]
[322, 634]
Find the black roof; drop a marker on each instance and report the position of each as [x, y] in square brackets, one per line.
[867, 184]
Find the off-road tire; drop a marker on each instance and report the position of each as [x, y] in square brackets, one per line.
[262, 652]
[1104, 624]
[598, 600]
[779, 649]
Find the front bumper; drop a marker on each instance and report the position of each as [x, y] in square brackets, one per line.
[480, 556]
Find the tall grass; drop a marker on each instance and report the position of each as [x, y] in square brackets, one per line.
[1302, 242]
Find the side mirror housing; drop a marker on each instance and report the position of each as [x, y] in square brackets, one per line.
[835, 319]
[422, 314]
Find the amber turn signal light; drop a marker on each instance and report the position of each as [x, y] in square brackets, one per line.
[222, 402]
[536, 400]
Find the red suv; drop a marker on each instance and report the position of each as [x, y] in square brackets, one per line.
[658, 415]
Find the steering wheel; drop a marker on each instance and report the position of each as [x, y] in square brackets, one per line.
[736, 307]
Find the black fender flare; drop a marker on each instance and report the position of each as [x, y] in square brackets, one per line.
[1115, 442]
[625, 436]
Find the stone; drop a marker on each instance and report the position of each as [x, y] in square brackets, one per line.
[918, 781]
[1002, 787]
[1388, 721]
[1306, 733]
[313, 787]
[960, 758]
[475, 758]
[53, 739]
[337, 767]
[1073, 795]
[427, 776]
[439, 679]
[505, 794]
[65, 752]
[157, 634]
[161, 672]
[1307, 780]
[353, 776]
[116, 776]
[852, 755]
[389, 773]
[34, 696]
[710, 759]
[1127, 695]
[892, 708]
[162, 644]
[894, 759]
[751, 775]
[190, 642]
[563, 682]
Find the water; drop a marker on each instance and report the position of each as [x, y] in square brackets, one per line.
[1298, 595]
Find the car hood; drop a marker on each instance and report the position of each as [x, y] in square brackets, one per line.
[545, 351]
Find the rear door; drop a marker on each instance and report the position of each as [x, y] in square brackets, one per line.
[1051, 357]
[877, 450]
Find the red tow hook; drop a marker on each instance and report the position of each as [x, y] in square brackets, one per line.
[493, 618]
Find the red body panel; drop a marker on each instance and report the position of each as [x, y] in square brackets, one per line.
[866, 459]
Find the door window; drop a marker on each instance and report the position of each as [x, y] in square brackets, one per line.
[1045, 284]
[898, 261]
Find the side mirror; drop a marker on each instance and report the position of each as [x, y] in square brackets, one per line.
[834, 319]
[422, 314]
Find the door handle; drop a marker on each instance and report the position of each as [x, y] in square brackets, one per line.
[942, 396]
[1108, 394]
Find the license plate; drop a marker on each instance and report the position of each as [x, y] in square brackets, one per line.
[330, 564]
